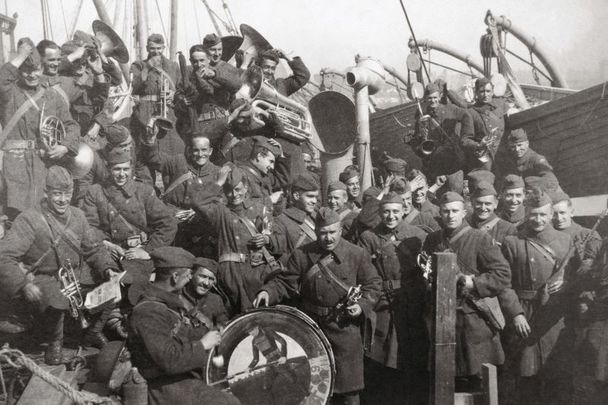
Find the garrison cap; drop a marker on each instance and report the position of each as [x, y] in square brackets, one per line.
[116, 134]
[431, 88]
[336, 185]
[391, 198]
[170, 257]
[326, 216]
[450, 197]
[537, 198]
[270, 54]
[400, 185]
[395, 165]
[559, 196]
[235, 177]
[59, 178]
[512, 181]
[482, 82]
[371, 192]
[33, 60]
[206, 263]
[483, 189]
[348, 174]
[262, 141]
[116, 156]
[211, 40]
[477, 176]
[517, 135]
[157, 39]
[70, 46]
[305, 182]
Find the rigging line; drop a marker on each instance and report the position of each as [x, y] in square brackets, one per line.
[65, 22]
[415, 40]
[529, 64]
[48, 14]
[75, 19]
[452, 69]
[198, 26]
[160, 16]
[230, 18]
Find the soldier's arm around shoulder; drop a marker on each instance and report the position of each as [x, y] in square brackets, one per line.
[371, 282]
[495, 271]
[161, 223]
[15, 244]
[154, 324]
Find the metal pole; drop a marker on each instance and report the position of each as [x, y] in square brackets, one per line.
[212, 17]
[425, 43]
[173, 40]
[364, 157]
[102, 12]
[142, 30]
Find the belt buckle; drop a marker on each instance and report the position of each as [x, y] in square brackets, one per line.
[31, 144]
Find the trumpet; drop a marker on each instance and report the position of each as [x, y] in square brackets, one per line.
[425, 262]
[72, 291]
[487, 145]
[161, 121]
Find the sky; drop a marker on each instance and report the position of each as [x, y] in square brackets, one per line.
[329, 33]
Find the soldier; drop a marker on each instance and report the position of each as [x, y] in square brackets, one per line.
[512, 200]
[324, 272]
[485, 274]
[154, 79]
[296, 226]
[484, 202]
[23, 99]
[524, 161]
[243, 228]
[396, 167]
[351, 179]
[41, 241]
[488, 114]
[269, 60]
[394, 246]
[170, 348]
[541, 263]
[420, 193]
[203, 296]
[129, 218]
[337, 200]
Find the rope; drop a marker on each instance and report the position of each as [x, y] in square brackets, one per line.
[16, 358]
[428, 77]
[65, 22]
[160, 17]
[198, 26]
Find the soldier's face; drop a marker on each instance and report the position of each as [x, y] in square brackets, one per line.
[202, 281]
[337, 199]
[236, 195]
[562, 215]
[433, 99]
[309, 162]
[200, 150]
[391, 215]
[518, 149]
[121, 173]
[352, 187]
[59, 200]
[329, 236]
[268, 67]
[306, 200]
[483, 207]
[126, 145]
[486, 93]
[181, 277]
[539, 218]
[407, 202]
[264, 162]
[199, 60]
[452, 214]
[154, 49]
[50, 61]
[420, 194]
[215, 53]
[30, 77]
[513, 199]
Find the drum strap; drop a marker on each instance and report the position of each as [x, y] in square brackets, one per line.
[412, 215]
[308, 229]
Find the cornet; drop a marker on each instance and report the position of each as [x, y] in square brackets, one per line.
[70, 289]
[425, 262]
[161, 121]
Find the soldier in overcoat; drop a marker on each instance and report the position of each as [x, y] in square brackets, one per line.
[484, 202]
[323, 272]
[511, 207]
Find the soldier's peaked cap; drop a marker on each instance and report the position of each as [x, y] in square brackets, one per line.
[391, 198]
[483, 189]
[116, 134]
[517, 135]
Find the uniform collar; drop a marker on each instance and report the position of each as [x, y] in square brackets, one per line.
[171, 299]
[513, 217]
[62, 218]
[546, 236]
[478, 224]
[296, 214]
[128, 190]
[202, 171]
[340, 253]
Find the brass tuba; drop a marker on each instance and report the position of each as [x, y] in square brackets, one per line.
[70, 289]
[264, 98]
[252, 46]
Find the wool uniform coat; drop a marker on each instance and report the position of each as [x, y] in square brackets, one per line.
[353, 266]
[287, 230]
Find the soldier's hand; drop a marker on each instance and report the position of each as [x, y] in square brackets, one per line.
[206, 73]
[261, 300]
[282, 360]
[387, 184]
[137, 253]
[521, 326]
[556, 286]
[211, 339]
[416, 183]
[116, 251]
[237, 111]
[31, 292]
[258, 241]
[26, 47]
[276, 196]
[440, 181]
[57, 152]
[223, 174]
[354, 310]
[96, 65]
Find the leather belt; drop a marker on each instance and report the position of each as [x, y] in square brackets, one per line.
[11, 144]
[150, 97]
[316, 309]
[233, 257]
[527, 295]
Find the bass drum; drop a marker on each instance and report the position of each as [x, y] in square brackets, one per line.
[274, 355]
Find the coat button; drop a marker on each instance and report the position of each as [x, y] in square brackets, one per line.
[235, 221]
[237, 237]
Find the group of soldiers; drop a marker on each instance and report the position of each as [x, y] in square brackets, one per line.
[237, 219]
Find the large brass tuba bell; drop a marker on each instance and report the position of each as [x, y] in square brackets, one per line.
[110, 43]
[253, 45]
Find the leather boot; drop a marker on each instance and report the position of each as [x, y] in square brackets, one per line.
[94, 335]
[54, 353]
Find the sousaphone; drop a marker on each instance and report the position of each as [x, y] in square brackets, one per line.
[111, 44]
[253, 45]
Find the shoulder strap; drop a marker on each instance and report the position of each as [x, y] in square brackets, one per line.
[272, 262]
[546, 251]
[250, 170]
[23, 108]
[317, 266]
[111, 207]
[64, 233]
[180, 180]
[62, 93]
[412, 215]
[323, 267]
[309, 230]
[344, 213]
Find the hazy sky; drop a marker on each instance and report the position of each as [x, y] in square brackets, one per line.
[330, 32]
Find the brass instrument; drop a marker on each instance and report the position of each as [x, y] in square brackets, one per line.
[252, 46]
[161, 121]
[264, 98]
[70, 289]
[486, 145]
[425, 262]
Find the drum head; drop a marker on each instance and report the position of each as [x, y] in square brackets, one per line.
[274, 355]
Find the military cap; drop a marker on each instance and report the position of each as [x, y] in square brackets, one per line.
[59, 178]
[262, 141]
[482, 189]
[305, 182]
[391, 198]
[400, 185]
[431, 88]
[170, 257]
[450, 197]
[326, 216]
[206, 263]
[235, 177]
[537, 198]
[157, 39]
[33, 60]
[512, 181]
[270, 54]
[558, 196]
[336, 185]
[211, 40]
[477, 176]
[70, 46]
[348, 174]
[482, 82]
[517, 135]
[395, 165]
[116, 134]
[118, 156]
[371, 192]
